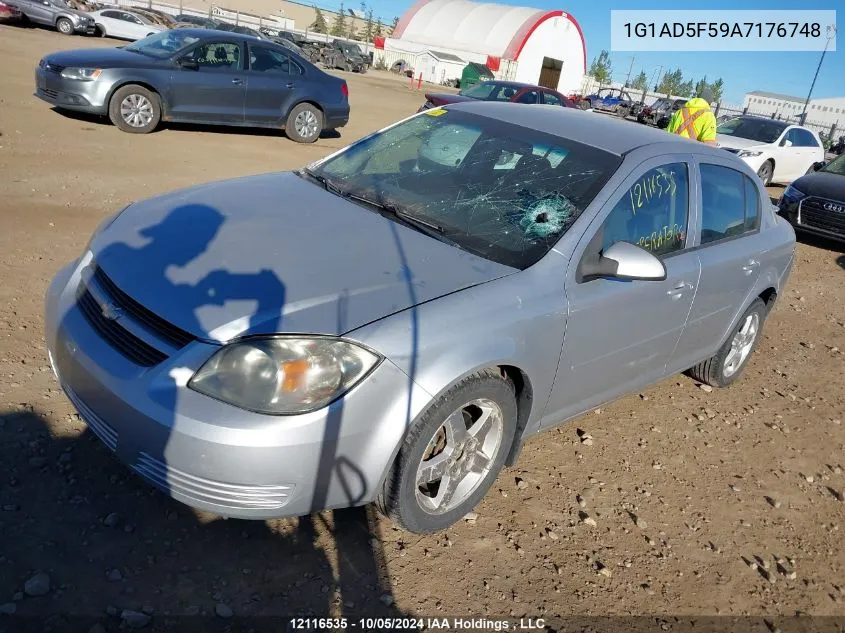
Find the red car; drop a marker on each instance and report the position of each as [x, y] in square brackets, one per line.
[8, 12]
[499, 91]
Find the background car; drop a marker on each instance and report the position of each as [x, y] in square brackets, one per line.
[127, 25]
[510, 91]
[659, 113]
[611, 100]
[185, 18]
[56, 14]
[197, 76]
[815, 203]
[430, 316]
[778, 151]
[8, 13]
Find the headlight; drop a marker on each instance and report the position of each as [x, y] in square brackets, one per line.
[792, 193]
[283, 375]
[747, 153]
[82, 74]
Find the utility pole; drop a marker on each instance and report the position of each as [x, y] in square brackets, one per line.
[831, 33]
[630, 68]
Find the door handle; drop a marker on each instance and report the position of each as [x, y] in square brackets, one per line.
[238, 82]
[679, 290]
[290, 85]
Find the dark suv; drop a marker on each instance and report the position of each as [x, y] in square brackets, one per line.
[55, 13]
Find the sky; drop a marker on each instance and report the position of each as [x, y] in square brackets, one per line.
[783, 72]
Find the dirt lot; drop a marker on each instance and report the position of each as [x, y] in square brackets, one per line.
[696, 496]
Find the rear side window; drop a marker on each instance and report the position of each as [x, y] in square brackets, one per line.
[653, 212]
[268, 60]
[552, 99]
[730, 204]
[804, 138]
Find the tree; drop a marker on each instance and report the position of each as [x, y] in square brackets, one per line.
[369, 27]
[672, 83]
[339, 23]
[701, 86]
[379, 29]
[601, 67]
[640, 82]
[394, 24]
[320, 25]
[353, 31]
[685, 89]
[718, 87]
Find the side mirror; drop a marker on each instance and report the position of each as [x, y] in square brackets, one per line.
[786, 143]
[187, 64]
[817, 166]
[627, 261]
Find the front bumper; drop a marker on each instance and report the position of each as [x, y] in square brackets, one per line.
[70, 94]
[216, 457]
[809, 215]
[86, 28]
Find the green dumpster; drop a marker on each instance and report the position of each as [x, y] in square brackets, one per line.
[473, 73]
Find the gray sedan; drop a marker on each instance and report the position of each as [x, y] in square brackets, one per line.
[391, 323]
[197, 76]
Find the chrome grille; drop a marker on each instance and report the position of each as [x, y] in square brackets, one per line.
[171, 480]
[812, 214]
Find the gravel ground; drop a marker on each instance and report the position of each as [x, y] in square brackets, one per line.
[685, 502]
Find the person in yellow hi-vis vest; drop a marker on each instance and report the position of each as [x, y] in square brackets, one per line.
[695, 120]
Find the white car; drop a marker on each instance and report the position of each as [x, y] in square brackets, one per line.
[778, 151]
[124, 25]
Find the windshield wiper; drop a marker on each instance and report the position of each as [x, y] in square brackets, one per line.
[329, 185]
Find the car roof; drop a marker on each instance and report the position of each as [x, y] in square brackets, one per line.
[603, 132]
[233, 35]
[512, 84]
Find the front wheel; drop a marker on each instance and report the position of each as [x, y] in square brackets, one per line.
[64, 26]
[765, 173]
[725, 367]
[452, 454]
[304, 124]
[135, 109]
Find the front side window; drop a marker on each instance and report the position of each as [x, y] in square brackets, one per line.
[111, 14]
[216, 56]
[730, 205]
[501, 191]
[163, 45]
[653, 212]
[805, 138]
[528, 97]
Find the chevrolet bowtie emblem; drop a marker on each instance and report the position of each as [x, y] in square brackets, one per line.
[111, 312]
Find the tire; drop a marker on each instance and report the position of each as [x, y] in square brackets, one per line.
[134, 99]
[424, 508]
[717, 371]
[64, 26]
[623, 112]
[100, 31]
[584, 104]
[766, 172]
[304, 123]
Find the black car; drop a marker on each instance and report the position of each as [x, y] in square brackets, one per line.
[185, 18]
[197, 76]
[659, 113]
[816, 202]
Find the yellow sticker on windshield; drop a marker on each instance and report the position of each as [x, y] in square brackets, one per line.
[436, 112]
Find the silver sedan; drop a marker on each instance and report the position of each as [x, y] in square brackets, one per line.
[391, 323]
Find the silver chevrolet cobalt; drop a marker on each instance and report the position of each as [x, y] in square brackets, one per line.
[390, 324]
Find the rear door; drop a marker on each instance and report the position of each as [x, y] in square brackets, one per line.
[275, 82]
[729, 247]
[620, 335]
[787, 155]
[215, 92]
[810, 149]
[36, 11]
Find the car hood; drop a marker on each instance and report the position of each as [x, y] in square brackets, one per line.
[823, 185]
[276, 253]
[737, 142]
[102, 58]
[447, 97]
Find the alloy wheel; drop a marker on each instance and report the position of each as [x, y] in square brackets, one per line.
[306, 124]
[459, 456]
[136, 110]
[741, 344]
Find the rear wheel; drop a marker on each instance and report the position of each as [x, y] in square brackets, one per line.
[64, 26]
[725, 367]
[304, 123]
[765, 172]
[135, 109]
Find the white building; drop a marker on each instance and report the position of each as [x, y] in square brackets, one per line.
[519, 43]
[437, 66]
[820, 112]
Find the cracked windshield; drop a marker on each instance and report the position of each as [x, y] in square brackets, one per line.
[498, 190]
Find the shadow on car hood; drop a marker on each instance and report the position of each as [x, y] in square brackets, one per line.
[276, 253]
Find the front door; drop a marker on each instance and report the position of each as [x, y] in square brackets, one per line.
[274, 80]
[620, 335]
[730, 235]
[214, 91]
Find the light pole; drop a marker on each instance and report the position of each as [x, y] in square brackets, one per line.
[831, 33]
